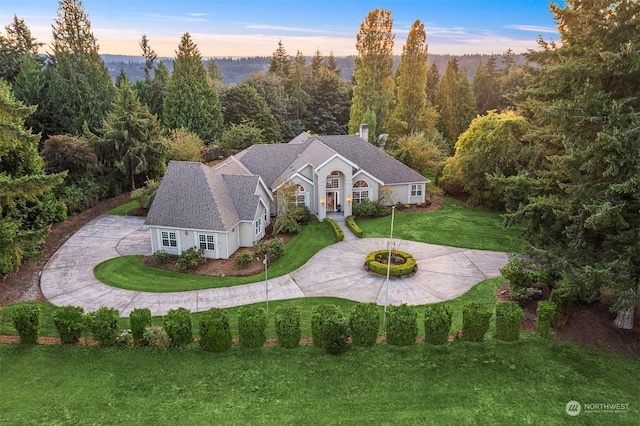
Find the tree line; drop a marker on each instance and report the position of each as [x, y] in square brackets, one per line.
[554, 142]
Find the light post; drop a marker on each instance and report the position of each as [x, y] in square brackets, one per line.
[386, 296]
[266, 284]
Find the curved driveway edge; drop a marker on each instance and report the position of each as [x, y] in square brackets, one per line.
[443, 273]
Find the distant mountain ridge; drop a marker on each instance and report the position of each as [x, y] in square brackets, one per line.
[236, 69]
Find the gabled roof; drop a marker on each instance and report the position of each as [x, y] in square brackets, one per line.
[269, 161]
[371, 159]
[195, 196]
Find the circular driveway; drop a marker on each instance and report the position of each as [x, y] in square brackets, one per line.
[443, 273]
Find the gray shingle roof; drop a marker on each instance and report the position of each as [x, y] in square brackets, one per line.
[269, 161]
[371, 159]
[243, 193]
[193, 196]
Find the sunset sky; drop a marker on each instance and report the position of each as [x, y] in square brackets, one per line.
[253, 28]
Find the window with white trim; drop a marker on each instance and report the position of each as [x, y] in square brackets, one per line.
[258, 226]
[360, 191]
[207, 242]
[416, 190]
[169, 239]
[333, 183]
[265, 214]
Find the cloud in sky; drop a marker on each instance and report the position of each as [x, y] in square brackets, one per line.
[532, 28]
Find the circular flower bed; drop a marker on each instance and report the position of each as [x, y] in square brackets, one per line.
[402, 263]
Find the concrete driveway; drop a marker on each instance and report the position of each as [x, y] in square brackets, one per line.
[443, 273]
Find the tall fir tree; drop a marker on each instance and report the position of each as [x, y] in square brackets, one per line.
[27, 204]
[582, 208]
[242, 104]
[280, 61]
[486, 86]
[411, 112]
[373, 91]
[15, 44]
[30, 87]
[190, 101]
[455, 102]
[80, 89]
[433, 81]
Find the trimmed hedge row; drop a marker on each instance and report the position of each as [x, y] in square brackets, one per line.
[70, 323]
[509, 319]
[364, 322]
[287, 321]
[252, 326]
[351, 223]
[402, 325]
[26, 320]
[337, 231]
[437, 323]
[475, 321]
[380, 268]
[215, 331]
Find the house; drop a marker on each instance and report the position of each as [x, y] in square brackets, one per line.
[226, 207]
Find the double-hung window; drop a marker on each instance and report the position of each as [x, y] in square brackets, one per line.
[206, 242]
[169, 239]
[258, 226]
[416, 190]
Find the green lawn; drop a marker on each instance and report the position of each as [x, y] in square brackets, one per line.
[123, 209]
[526, 382]
[129, 273]
[453, 225]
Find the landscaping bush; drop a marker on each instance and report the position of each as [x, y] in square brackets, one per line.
[337, 231]
[475, 321]
[364, 322]
[69, 323]
[139, 319]
[274, 249]
[351, 223]
[26, 320]
[509, 319]
[437, 323]
[125, 338]
[190, 259]
[546, 313]
[177, 324]
[319, 316]
[104, 326]
[377, 263]
[155, 336]
[161, 257]
[243, 258]
[402, 325]
[215, 331]
[287, 322]
[516, 271]
[368, 208]
[302, 215]
[252, 326]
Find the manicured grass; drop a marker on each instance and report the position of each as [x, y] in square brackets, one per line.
[453, 225]
[123, 209]
[526, 382]
[129, 273]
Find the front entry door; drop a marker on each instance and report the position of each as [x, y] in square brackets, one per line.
[332, 197]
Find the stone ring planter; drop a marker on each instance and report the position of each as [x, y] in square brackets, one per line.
[402, 263]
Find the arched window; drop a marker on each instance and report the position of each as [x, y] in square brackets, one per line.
[333, 180]
[301, 196]
[360, 191]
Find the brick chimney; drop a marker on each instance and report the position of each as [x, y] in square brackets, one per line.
[364, 132]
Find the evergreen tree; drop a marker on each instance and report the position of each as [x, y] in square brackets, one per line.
[213, 71]
[298, 83]
[373, 91]
[27, 205]
[272, 89]
[582, 208]
[14, 45]
[317, 62]
[433, 81]
[243, 104]
[149, 56]
[411, 113]
[486, 86]
[455, 102]
[30, 87]
[280, 61]
[80, 88]
[130, 143]
[332, 64]
[190, 101]
[328, 111]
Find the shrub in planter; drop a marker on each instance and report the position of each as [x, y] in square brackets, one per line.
[364, 322]
[520, 279]
[274, 249]
[244, 258]
[155, 336]
[104, 326]
[319, 316]
[287, 322]
[190, 259]
[546, 313]
[139, 319]
[475, 321]
[509, 319]
[402, 325]
[437, 323]
[69, 323]
[252, 326]
[177, 324]
[26, 320]
[161, 257]
[215, 331]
